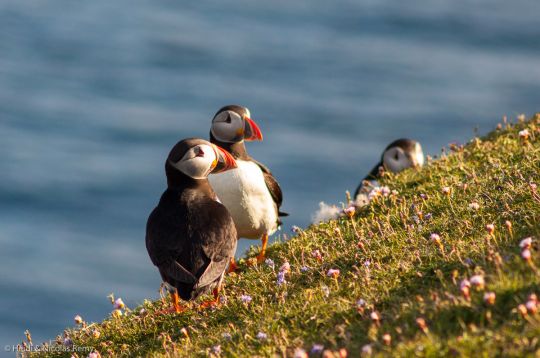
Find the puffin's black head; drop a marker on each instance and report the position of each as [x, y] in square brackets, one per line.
[232, 124]
[402, 154]
[197, 158]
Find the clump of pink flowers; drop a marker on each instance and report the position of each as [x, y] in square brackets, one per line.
[529, 307]
[489, 298]
[465, 288]
[286, 267]
[334, 273]
[317, 254]
[246, 299]
[524, 134]
[383, 191]
[350, 211]
[119, 304]
[478, 282]
[526, 245]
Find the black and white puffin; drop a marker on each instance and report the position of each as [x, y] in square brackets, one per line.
[399, 155]
[190, 235]
[250, 192]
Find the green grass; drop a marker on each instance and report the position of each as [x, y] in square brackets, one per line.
[408, 276]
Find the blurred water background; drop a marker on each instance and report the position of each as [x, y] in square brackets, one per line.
[93, 94]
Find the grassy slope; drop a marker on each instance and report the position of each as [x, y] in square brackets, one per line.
[408, 277]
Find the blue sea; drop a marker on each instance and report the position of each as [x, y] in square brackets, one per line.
[93, 94]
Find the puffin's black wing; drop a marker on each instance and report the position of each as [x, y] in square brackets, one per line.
[217, 234]
[273, 186]
[164, 238]
[194, 243]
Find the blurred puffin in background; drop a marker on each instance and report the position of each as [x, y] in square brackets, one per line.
[250, 192]
[190, 236]
[399, 155]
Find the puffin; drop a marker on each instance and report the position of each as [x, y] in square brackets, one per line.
[190, 235]
[397, 156]
[250, 192]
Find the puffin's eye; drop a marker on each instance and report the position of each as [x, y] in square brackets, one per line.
[199, 152]
[396, 156]
[228, 120]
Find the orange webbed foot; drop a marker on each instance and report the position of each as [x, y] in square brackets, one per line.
[213, 302]
[176, 307]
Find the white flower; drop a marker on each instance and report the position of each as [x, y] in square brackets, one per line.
[526, 254]
[361, 303]
[435, 238]
[367, 350]
[300, 353]
[269, 262]
[78, 319]
[474, 206]
[374, 316]
[325, 290]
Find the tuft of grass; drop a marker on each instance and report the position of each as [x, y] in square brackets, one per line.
[399, 291]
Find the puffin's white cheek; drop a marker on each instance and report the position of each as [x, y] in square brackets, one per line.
[226, 132]
[419, 155]
[196, 168]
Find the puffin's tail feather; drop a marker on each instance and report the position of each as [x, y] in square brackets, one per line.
[281, 213]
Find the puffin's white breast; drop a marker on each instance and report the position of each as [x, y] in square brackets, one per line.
[244, 193]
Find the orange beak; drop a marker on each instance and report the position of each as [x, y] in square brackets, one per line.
[225, 161]
[252, 130]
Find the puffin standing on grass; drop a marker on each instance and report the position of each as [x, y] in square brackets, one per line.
[190, 236]
[399, 155]
[250, 192]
